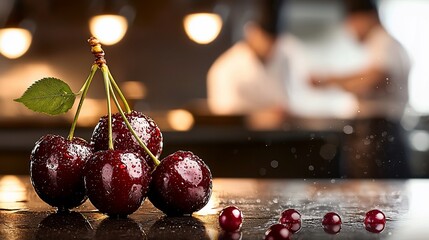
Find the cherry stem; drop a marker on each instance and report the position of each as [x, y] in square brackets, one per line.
[113, 82]
[83, 91]
[130, 128]
[105, 71]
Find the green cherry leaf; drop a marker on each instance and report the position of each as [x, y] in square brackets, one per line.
[48, 95]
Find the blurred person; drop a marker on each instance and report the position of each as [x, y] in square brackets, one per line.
[251, 78]
[377, 146]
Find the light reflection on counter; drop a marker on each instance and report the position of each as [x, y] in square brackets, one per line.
[212, 207]
[414, 222]
[13, 193]
[260, 200]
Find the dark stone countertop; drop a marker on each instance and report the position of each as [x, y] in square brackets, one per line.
[24, 216]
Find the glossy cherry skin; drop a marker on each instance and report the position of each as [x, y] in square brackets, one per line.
[293, 227]
[375, 227]
[290, 216]
[144, 126]
[117, 181]
[375, 216]
[332, 229]
[181, 184]
[277, 232]
[56, 170]
[331, 218]
[230, 219]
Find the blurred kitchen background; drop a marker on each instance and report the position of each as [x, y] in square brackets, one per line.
[160, 58]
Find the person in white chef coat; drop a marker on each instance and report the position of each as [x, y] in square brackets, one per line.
[252, 77]
[377, 146]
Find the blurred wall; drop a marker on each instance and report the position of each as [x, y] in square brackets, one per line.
[154, 51]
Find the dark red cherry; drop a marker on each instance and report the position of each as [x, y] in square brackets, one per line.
[143, 125]
[181, 184]
[56, 170]
[293, 227]
[290, 216]
[375, 216]
[375, 227]
[230, 219]
[331, 218]
[332, 229]
[117, 181]
[277, 232]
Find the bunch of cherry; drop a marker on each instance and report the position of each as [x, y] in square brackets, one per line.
[231, 220]
[119, 167]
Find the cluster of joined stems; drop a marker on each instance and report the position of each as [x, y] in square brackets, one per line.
[111, 88]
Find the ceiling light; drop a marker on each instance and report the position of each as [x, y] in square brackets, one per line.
[14, 42]
[108, 28]
[202, 28]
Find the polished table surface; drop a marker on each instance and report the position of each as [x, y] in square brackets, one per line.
[405, 202]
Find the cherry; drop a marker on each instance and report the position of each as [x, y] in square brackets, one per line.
[230, 219]
[181, 184]
[293, 227]
[117, 181]
[331, 218]
[332, 229]
[144, 126]
[56, 170]
[277, 232]
[375, 221]
[375, 227]
[290, 216]
[375, 216]
[331, 223]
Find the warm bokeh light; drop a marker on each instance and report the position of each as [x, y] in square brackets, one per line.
[134, 89]
[202, 28]
[14, 42]
[91, 112]
[419, 140]
[12, 189]
[109, 29]
[180, 120]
